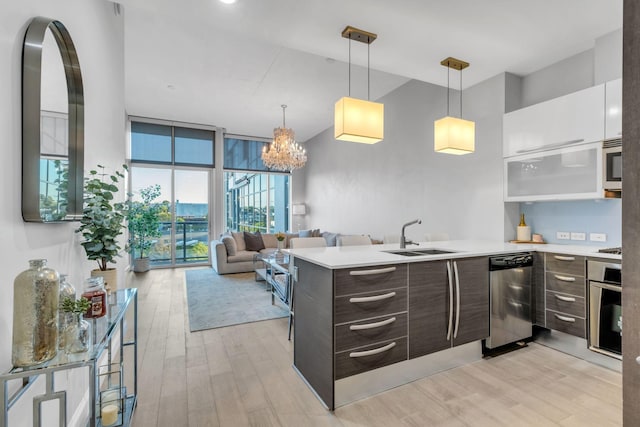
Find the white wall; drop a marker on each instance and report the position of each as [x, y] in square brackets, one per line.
[99, 39]
[374, 189]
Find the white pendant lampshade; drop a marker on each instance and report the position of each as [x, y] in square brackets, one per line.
[454, 136]
[358, 120]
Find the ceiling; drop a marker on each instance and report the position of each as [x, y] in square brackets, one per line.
[232, 66]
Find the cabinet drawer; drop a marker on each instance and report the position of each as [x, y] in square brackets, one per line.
[569, 304]
[362, 333]
[566, 284]
[565, 264]
[386, 353]
[563, 322]
[366, 279]
[372, 304]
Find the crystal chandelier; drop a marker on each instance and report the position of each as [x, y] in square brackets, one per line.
[284, 154]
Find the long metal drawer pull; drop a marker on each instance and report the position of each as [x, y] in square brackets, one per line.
[567, 299]
[373, 298]
[564, 258]
[372, 325]
[373, 352]
[565, 318]
[450, 325]
[550, 146]
[455, 269]
[372, 272]
[564, 278]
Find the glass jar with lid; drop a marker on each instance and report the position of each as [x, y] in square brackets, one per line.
[97, 296]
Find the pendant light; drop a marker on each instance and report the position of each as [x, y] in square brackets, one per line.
[357, 120]
[453, 135]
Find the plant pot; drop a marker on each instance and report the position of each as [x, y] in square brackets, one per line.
[110, 276]
[141, 265]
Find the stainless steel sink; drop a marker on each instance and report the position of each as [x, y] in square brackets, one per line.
[419, 252]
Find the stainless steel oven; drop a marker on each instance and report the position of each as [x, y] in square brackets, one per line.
[612, 168]
[605, 307]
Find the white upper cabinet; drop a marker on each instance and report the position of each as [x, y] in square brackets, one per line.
[613, 109]
[575, 118]
[567, 173]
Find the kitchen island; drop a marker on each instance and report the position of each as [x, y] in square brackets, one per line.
[368, 319]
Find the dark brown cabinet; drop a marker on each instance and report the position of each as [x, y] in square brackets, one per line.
[565, 294]
[448, 304]
[353, 320]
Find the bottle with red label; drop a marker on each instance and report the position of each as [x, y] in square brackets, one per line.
[97, 296]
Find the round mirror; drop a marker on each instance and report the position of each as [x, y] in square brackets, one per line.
[52, 124]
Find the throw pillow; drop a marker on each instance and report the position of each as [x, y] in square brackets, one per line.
[315, 232]
[270, 241]
[331, 238]
[253, 241]
[230, 244]
[238, 236]
[305, 233]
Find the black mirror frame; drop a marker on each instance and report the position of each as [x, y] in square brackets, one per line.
[31, 105]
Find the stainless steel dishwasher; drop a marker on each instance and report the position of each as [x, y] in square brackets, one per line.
[510, 306]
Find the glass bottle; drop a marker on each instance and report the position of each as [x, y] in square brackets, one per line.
[35, 315]
[77, 334]
[66, 291]
[97, 296]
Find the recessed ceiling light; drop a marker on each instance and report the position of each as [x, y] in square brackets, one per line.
[228, 1]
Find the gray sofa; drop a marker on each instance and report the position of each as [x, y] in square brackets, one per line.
[230, 254]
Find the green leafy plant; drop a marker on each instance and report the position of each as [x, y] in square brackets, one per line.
[102, 218]
[144, 220]
[77, 306]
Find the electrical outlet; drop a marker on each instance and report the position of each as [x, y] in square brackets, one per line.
[597, 237]
[563, 235]
[578, 236]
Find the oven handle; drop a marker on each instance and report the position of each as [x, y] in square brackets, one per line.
[605, 286]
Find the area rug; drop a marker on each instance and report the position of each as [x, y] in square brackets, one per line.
[215, 301]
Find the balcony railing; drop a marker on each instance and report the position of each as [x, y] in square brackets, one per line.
[191, 247]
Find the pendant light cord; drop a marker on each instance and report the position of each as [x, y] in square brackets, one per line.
[283, 120]
[368, 72]
[460, 93]
[448, 72]
[349, 67]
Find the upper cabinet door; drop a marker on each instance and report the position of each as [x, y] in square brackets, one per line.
[613, 109]
[575, 118]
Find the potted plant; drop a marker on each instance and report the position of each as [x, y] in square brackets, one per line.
[144, 226]
[76, 335]
[102, 222]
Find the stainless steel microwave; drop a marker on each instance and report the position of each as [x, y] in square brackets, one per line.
[612, 158]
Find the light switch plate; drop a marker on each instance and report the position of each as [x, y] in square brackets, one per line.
[563, 235]
[597, 237]
[578, 236]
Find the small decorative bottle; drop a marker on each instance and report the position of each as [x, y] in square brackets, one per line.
[524, 231]
[77, 334]
[66, 291]
[97, 296]
[35, 315]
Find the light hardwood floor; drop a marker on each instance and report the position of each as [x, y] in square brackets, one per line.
[242, 376]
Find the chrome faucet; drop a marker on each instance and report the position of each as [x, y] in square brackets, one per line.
[403, 241]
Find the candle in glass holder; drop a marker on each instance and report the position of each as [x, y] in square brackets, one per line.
[109, 414]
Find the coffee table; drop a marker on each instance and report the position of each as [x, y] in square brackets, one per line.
[274, 271]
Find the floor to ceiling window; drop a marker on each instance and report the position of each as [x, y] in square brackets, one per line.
[180, 160]
[255, 199]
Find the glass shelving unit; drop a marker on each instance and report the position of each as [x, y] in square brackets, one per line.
[109, 342]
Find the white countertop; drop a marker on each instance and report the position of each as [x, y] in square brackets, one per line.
[362, 256]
